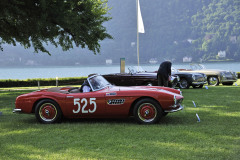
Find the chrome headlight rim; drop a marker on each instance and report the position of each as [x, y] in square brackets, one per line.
[194, 77]
[223, 74]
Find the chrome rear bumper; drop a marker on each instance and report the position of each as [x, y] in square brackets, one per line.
[17, 110]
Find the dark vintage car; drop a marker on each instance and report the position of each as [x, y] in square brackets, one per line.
[196, 80]
[137, 77]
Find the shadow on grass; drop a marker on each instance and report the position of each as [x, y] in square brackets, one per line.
[167, 120]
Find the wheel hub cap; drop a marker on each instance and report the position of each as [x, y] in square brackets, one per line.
[147, 112]
[48, 112]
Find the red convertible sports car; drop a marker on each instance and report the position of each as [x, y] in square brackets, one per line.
[146, 103]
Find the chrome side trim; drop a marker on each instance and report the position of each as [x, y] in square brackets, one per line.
[17, 110]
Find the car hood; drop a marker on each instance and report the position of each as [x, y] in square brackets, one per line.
[144, 89]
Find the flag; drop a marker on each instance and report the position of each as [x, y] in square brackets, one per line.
[140, 21]
[198, 117]
[194, 104]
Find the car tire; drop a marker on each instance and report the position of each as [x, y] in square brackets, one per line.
[183, 84]
[213, 81]
[147, 111]
[48, 111]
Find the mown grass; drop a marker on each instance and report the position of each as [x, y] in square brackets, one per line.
[178, 136]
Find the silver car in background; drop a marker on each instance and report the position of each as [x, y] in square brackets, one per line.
[214, 76]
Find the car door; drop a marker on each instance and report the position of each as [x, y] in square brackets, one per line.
[90, 104]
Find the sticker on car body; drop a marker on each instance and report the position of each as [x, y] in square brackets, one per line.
[111, 94]
[115, 101]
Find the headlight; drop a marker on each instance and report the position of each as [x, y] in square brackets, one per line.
[223, 74]
[234, 73]
[178, 78]
[175, 100]
[193, 77]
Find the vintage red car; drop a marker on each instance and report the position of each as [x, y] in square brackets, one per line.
[146, 103]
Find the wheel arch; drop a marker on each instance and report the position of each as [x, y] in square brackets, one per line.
[37, 101]
[138, 99]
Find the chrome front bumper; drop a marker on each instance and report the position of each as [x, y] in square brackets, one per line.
[17, 110]
[199, 83]
[228, 80]
[174, 110]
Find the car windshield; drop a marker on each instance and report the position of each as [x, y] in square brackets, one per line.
[174, 70]
[97, 82]
[135, 69]
[195, 66]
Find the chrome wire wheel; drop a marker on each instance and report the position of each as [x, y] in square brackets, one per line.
[147, 112]
[47, 112]
[213, 81]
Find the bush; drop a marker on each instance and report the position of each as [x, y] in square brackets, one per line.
[238, 74]
[42, 81]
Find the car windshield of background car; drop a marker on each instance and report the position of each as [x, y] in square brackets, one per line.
[135, 69]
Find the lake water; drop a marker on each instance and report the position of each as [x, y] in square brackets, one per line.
[79, 71]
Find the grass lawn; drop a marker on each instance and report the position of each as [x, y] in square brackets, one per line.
[178, 135]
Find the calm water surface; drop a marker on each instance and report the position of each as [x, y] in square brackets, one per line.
[79, 71]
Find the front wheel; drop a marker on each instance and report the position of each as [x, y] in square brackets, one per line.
[183, 84]
[147, 111]
[48, 111]
[213, 81]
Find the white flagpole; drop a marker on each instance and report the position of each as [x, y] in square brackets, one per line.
[140, 27]
[137, 33]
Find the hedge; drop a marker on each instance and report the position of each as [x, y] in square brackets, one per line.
[42, 81]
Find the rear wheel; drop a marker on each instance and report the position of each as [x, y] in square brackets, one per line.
[213, 81]
[48, 111]
[147, 111]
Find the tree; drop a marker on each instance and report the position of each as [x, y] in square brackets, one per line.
[64, 23]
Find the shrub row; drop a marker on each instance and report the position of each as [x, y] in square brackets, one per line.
[42, 82]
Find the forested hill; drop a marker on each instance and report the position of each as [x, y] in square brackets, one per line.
[178, 28]
[173, 29]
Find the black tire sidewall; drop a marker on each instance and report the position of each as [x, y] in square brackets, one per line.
[213, 84]
[156, 105]
[180, 86]
[58, 116]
